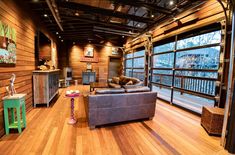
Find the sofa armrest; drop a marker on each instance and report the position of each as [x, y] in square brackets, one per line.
[140, 83]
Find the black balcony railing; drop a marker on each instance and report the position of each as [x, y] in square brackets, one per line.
[200, 86]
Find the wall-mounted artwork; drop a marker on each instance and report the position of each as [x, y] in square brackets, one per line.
[88, 66]
[115, 51]
[89, 52]
[7, 44]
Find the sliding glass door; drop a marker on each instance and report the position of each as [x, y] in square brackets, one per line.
[162, 74]
[185, 70]
[135, 64]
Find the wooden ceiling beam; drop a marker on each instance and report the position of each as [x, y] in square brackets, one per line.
[75, 20]
[102, 11]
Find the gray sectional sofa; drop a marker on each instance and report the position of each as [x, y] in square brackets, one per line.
[113, 105]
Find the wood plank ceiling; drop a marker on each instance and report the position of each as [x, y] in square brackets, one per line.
[98, 21]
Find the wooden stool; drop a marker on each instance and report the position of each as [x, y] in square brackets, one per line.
[212, 120]
[16, 101]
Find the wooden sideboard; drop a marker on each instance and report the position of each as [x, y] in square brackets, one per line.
[45, 86]
[88, 77]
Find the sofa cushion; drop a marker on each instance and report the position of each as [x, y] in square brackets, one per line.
[113, 85]
[137, 89]
[115, 80]
[124, 80]
[109, 90]
[130, 86]
[134, 80]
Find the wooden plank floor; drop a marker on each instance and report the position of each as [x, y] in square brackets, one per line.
[172, 131]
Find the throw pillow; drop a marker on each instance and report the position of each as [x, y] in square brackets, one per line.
[122, 78]
[115, 80]
[129, 83]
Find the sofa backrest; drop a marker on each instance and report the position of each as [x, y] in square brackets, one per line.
[118, 100]
[135, 89]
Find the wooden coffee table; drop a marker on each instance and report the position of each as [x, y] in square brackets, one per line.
[94, 85]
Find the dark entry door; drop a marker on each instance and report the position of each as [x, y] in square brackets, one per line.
[114, 66]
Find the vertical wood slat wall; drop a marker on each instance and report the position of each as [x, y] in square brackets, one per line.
[17, 18]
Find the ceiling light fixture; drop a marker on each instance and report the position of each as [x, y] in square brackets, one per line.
[115, 21]
[77, 14]
[45, 15]
[62, 40]
[171, 2]
[57, 32]
[123, 36]
[152, 16]
[59, 36]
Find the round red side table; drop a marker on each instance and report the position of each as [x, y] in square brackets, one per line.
[72, 96]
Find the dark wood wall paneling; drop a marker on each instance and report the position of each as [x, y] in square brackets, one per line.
[17, 17]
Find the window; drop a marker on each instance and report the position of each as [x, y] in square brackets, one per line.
[203, 58]
[164, 48]
[200, 40]
[163, 60]
[184, 69]
[135, 64]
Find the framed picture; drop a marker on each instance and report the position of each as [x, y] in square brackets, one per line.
[7, 45]
[114, 51]
[89, 52]
[88, 66]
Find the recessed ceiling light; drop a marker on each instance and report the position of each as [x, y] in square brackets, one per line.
[138, 25]
[62, 40]
[152, 15]
[59, 36]
[45, 15]
[171, 2]
[57, 32]
[123, 36]
[77, 14]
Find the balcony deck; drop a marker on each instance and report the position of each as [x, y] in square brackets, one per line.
[193, 103]
[172, 131]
